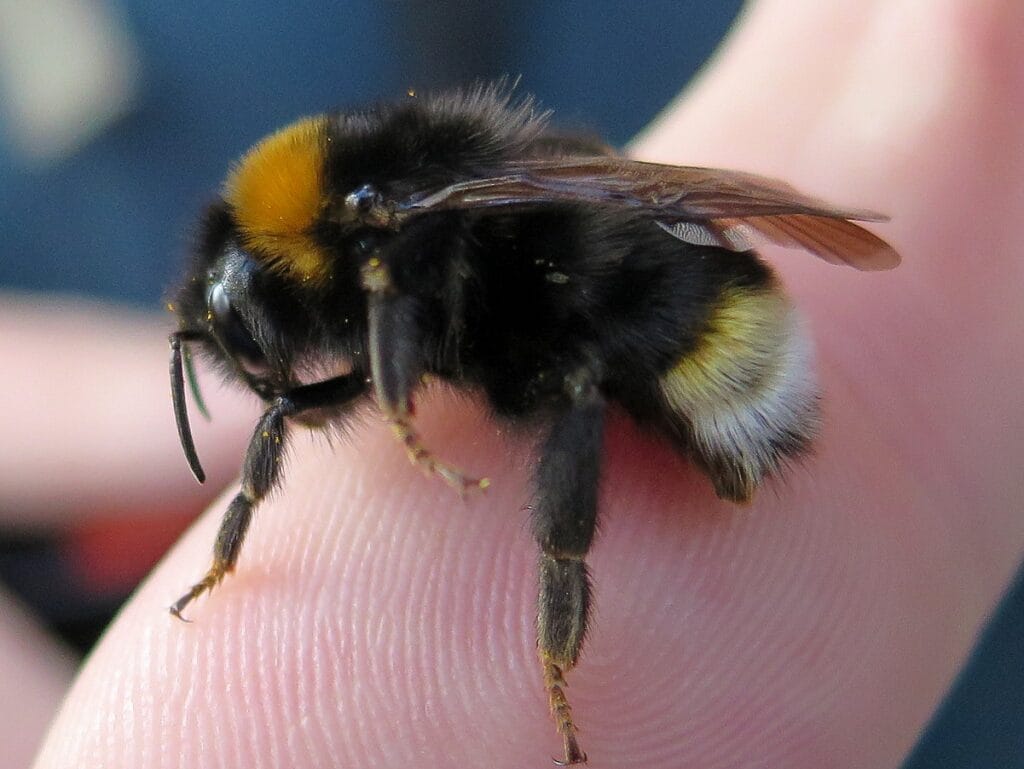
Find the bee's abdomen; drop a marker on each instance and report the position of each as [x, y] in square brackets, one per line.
[744, 396]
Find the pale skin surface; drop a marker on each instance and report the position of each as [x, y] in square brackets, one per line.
[375, 621]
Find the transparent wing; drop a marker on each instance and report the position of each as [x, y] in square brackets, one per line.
[707, 206]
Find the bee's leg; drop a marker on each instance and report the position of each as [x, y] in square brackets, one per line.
[261, 471]
[422, 457]
[564, 522]
[396, 365]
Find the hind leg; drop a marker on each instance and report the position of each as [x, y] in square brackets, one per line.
[564, 523]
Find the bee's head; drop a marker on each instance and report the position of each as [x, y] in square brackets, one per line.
[256, 257]
[237, 314]
[275, 247]
[235, 309]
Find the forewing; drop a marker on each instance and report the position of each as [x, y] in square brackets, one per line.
[730, 209]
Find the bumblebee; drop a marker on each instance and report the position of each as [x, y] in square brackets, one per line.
[456, 236]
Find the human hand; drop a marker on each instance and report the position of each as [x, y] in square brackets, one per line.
[87, 434]
[375, 621]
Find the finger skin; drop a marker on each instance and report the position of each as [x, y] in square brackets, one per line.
[88, 420]
[35, 672]
[376, 621]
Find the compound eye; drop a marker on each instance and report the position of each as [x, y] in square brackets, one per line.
[232, 332]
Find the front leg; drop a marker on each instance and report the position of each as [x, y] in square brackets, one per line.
[564, 522]
[395, 322]
[261, 471]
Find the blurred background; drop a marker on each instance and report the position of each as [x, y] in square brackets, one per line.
[119, 119]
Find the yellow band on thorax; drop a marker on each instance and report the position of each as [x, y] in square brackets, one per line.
[276, 192]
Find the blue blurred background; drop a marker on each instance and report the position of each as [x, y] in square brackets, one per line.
[107, 212]
[118, 120]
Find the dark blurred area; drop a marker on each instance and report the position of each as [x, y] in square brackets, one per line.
[118, 121]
